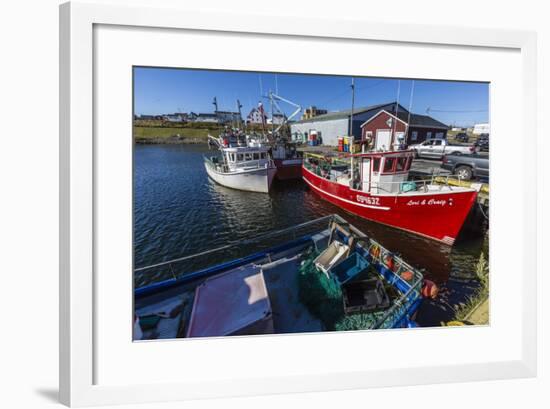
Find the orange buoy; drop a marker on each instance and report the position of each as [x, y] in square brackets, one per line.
[429, 290]
[407, 275]
[388, 261]
[375, 251]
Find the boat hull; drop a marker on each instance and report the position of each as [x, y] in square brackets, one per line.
[288, 168]
[438, 216]
[254, 180]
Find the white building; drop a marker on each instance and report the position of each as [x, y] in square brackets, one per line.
[481, 128]
[255, 117]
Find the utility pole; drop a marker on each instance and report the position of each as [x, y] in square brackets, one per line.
[215, 103]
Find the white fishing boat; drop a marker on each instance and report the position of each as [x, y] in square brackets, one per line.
[239, 164]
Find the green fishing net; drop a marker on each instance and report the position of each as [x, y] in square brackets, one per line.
[320, 293]
[323, 297]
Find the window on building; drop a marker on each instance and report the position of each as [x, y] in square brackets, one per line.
[388, 164]
[414, 135]
[428, 135]
[376, 165]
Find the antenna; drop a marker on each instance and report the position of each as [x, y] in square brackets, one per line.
[352, 106]
[396, 110]
[410, 107]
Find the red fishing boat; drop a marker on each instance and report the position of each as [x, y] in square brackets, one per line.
[287, 160]
[375, 186]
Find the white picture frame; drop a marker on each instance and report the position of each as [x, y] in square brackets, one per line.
[78, 386]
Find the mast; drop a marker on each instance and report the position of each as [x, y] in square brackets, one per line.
[239, 106]
[352, 106]
[351, 127]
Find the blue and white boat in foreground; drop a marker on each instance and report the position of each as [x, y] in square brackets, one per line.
[323, 275]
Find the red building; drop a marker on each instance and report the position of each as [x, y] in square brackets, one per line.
[385, 128]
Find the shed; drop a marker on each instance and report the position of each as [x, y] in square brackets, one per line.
[384, 129]
[334, 124]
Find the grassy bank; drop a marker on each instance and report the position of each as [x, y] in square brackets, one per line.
[476, 308]
[157, 132]
[171, 135]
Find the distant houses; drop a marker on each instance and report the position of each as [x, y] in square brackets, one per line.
[217, 117]
[481, 128]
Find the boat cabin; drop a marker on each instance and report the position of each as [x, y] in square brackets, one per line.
[246, 157]
[374, 172]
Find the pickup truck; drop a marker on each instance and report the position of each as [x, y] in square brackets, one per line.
[467, 166]
[437, 148]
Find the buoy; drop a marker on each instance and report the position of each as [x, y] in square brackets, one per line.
[375, 251]
[429, 290]
[407, 275]
[388, 261]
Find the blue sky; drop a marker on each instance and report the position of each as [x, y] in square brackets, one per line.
[162, 91]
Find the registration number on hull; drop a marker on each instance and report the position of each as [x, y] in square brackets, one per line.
[373, 201]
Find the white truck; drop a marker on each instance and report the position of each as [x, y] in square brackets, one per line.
[437, 148]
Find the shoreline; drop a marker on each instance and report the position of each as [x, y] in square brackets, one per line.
[171, 140]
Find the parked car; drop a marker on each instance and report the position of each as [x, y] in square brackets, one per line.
[437, 148]
[483, 142]
[462, 137]
[467, 166]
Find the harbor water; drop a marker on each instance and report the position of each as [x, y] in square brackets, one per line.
[179, 211]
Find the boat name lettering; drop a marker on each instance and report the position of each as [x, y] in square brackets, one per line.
[375, 201]
[427, 202]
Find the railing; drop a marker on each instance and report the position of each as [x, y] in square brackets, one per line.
[239, 249]
[324, 167]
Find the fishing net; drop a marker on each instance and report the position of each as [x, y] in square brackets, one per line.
[323, 297]
[320, 293]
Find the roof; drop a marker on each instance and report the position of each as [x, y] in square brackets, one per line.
[417, 120]
[345, 114]
[421, 120]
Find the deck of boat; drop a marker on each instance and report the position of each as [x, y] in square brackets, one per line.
[280, 273]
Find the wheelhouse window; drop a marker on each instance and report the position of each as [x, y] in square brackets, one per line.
[247, 156]
[376, 165]
[256, 155]
[264, 155]
[389, 164]
[240, 157]
[409, 163]
[401, 164]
